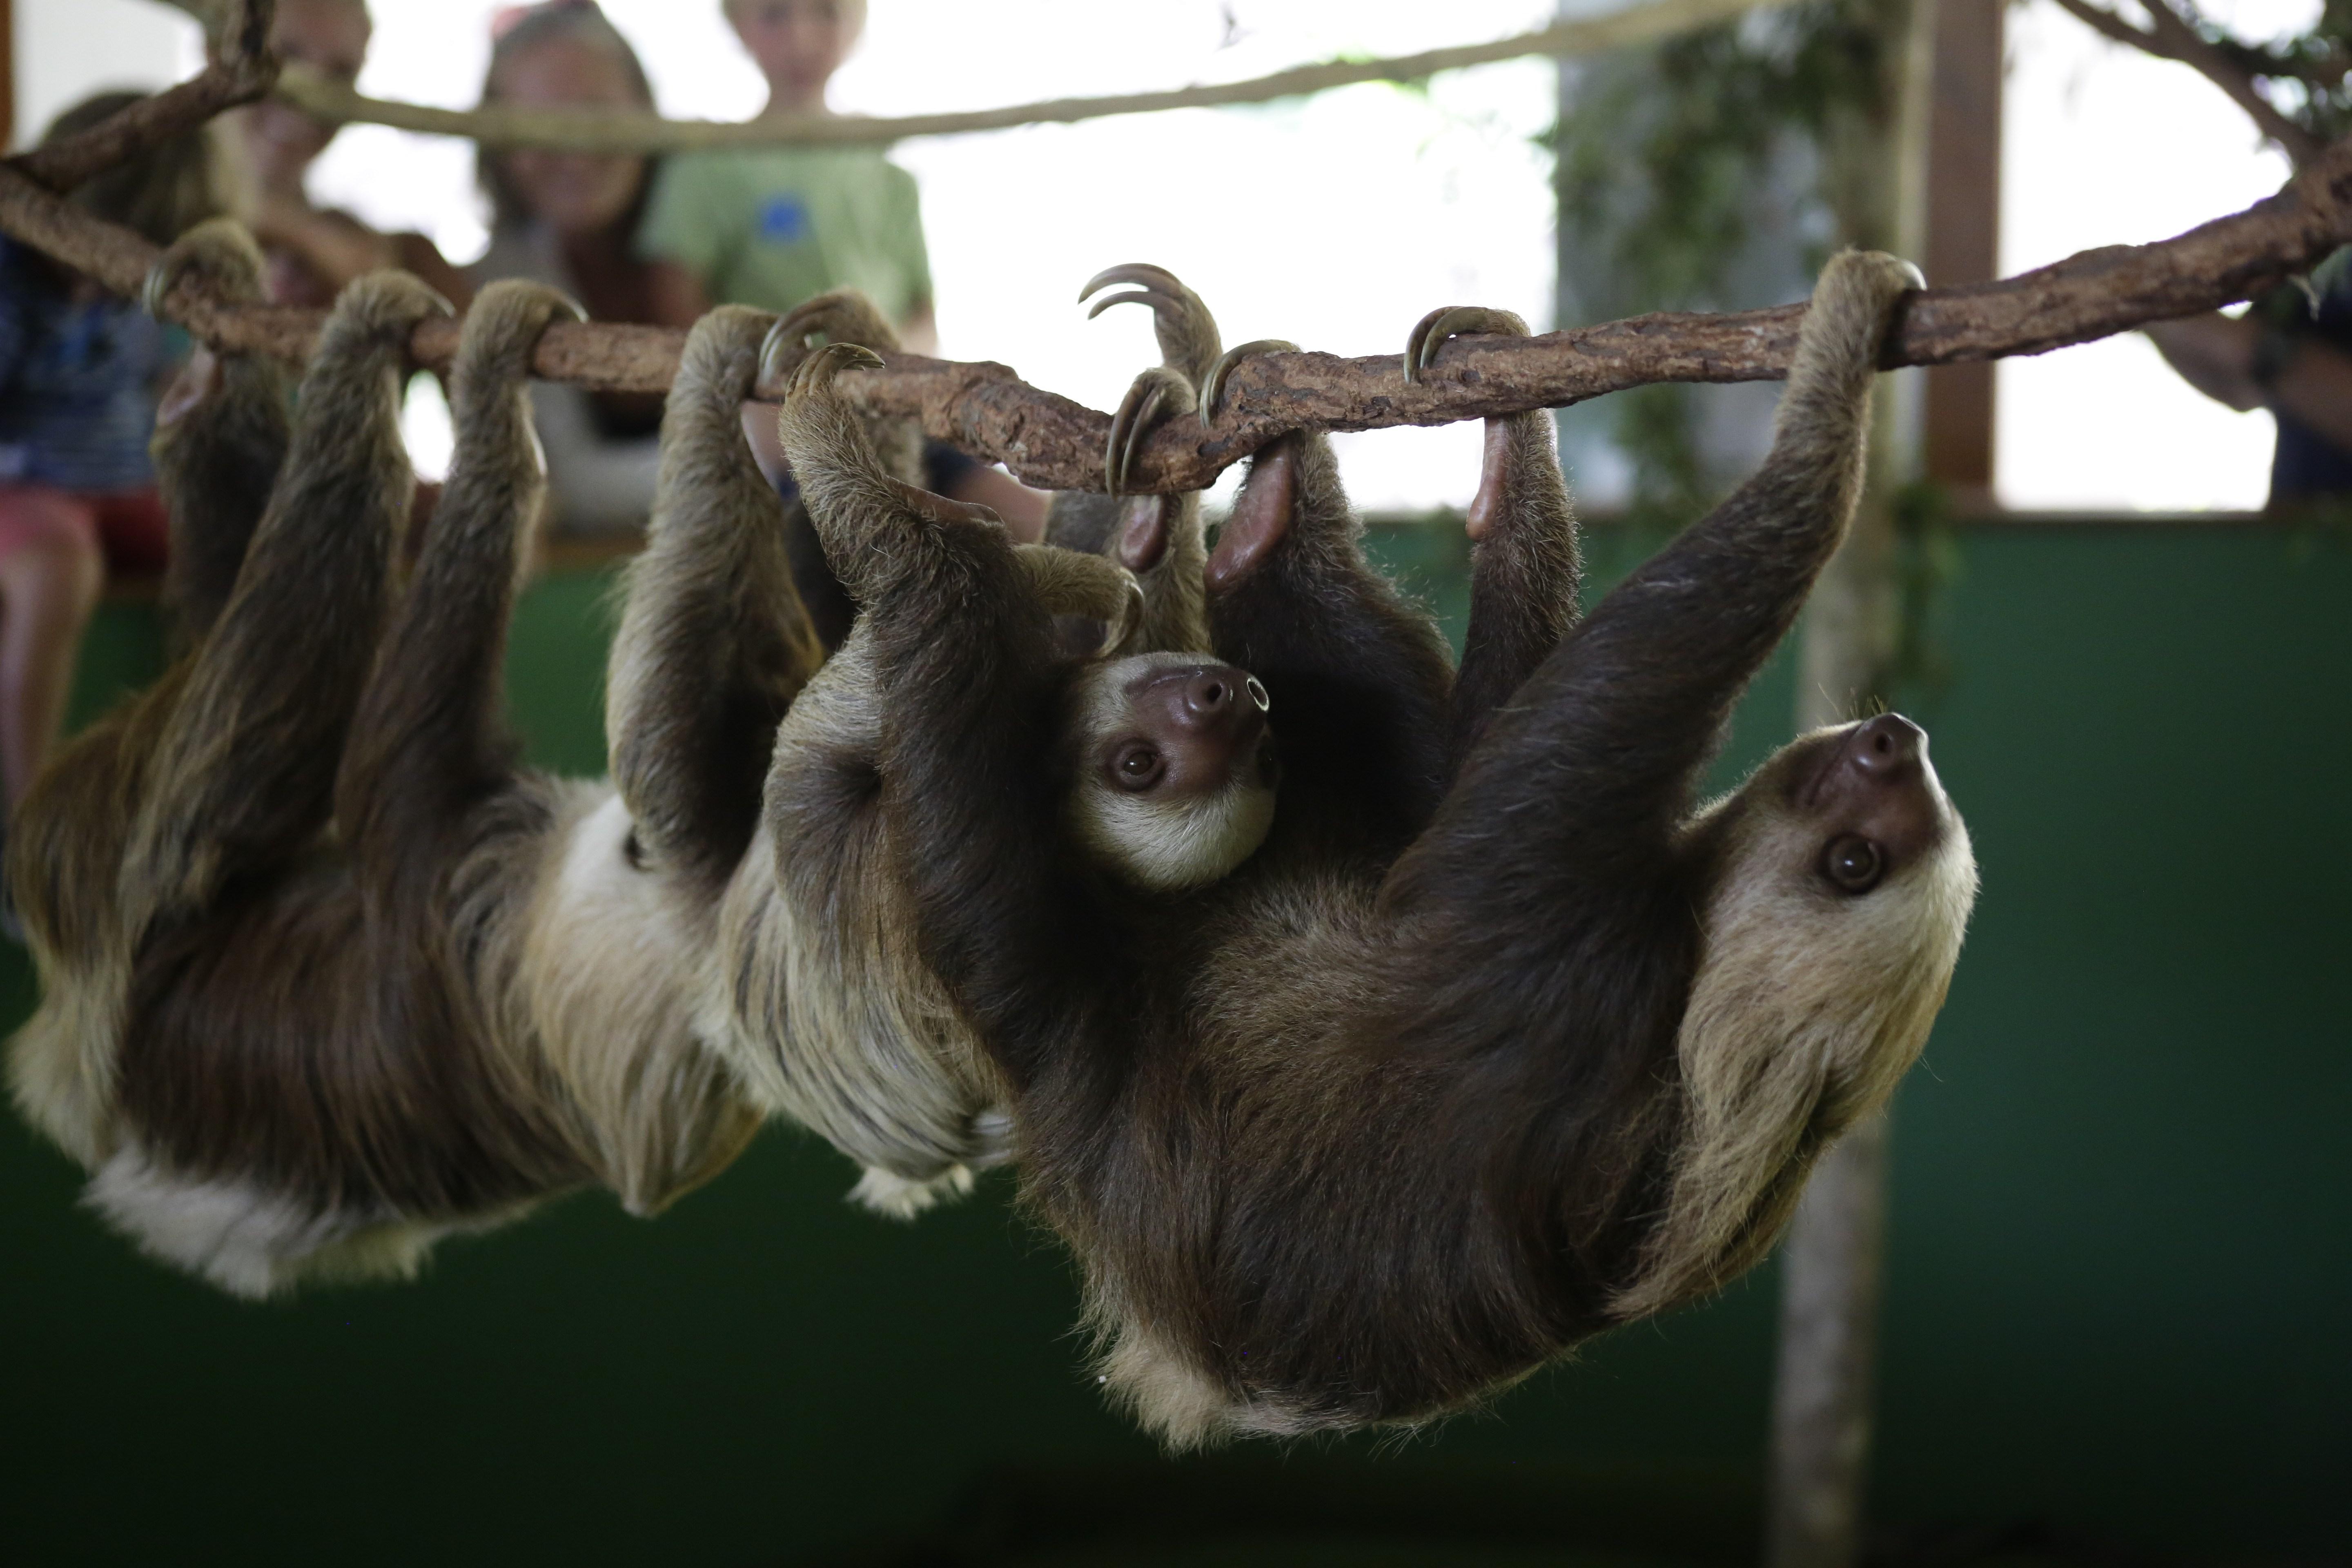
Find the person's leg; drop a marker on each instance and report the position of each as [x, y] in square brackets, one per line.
[50, 577]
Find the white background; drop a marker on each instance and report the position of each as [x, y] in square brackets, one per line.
[1335, 221]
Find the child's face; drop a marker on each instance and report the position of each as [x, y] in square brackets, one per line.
[573, 192]
[331, 39]
[797, 43]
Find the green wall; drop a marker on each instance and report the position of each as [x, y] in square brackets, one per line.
[2117, 1300]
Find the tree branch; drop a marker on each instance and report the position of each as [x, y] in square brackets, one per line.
[1052, 441]
[242, 69]
[605, 131]
[2170, 36]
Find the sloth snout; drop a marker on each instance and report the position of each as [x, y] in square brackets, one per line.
[1220, 698]
[1888, 749]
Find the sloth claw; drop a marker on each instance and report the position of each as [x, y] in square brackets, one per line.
[1139, 411]
[1214, 384]
[819, 369]
[1429, 334]
[1187, 332]
[840, 315]
[221, 250]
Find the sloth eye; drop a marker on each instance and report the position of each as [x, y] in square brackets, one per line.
[1853, 863]
[1137, 768]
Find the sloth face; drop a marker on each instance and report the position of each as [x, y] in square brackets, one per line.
[1174, 769]
[1841, 883]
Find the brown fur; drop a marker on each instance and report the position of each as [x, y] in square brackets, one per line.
[1449, 1076]
[325, 975]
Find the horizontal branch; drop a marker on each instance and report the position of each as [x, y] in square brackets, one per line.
[605, 131]
[1050, 441]
[242, 69]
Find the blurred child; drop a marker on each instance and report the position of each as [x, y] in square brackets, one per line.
[79, 373]
[314, 252]
[771, 225]
[568, 219]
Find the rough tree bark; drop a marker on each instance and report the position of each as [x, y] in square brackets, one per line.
[1874, 164]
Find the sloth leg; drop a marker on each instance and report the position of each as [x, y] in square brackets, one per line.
[1359, 679]
[1524, 571]
[714, 642]
[430, 739]
[245, 762]
[1608, 734]
[1159, 538]
[220, 434]
[839, 316]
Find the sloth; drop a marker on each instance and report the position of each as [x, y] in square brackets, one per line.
[1501, 1038]
[1167, 781]
[325, 974]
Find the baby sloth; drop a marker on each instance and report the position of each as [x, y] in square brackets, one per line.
[1500, 1038]
[1163, 772]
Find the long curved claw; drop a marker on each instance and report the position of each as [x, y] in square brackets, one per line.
[840, 316]
[1429, 334]
[220, 248]
[819, 369]
[1138, 413]
[1213, 386]
[1187, 332]
[1140, 272]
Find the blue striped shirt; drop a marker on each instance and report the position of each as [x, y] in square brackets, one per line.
[76, 384]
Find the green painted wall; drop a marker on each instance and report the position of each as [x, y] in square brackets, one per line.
[2122, 1243]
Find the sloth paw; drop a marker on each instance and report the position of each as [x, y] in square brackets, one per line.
[1150, 399]
[1187, 332]
[838, 316]
[1429, 334]
[389, 302]
[817, 372]
[1213, 385]
[220, 252]
[1853, 305]
[505, 323]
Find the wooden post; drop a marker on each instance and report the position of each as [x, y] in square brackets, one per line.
[1964, 234]
[1875, 166]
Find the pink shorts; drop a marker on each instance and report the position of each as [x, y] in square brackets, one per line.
[130, 527]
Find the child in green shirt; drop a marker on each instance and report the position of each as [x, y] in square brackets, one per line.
[770, 227]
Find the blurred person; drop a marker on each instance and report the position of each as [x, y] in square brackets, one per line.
[770, 227]
[79, 375]
[2290, 353]
[568, 219]
[314, 252]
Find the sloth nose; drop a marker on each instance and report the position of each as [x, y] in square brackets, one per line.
[1887, 750]
[1221, 693]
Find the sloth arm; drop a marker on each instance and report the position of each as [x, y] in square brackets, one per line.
[971, 691]
[248, 752]
[1593, 766]
[1359, 678]
[715, 642]
[430, 741]
[1525, 572]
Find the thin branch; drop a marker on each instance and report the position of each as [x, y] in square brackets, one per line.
[1051, 441]
[603, 131]
[242, 69]
[2170, 36]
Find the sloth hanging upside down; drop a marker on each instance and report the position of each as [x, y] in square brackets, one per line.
[324, 975]
[1501, 1037]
